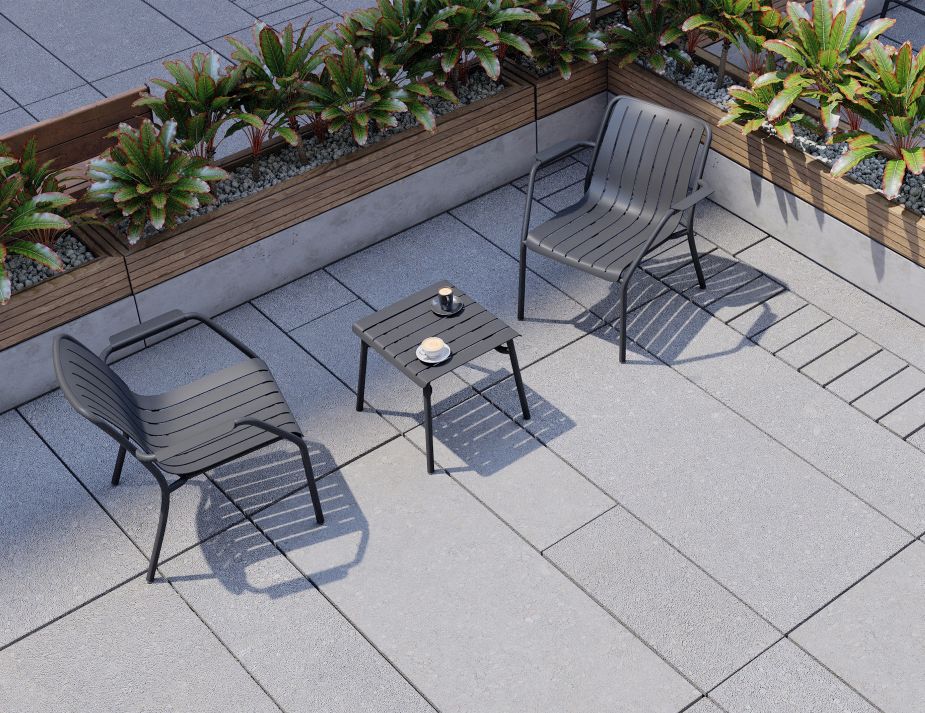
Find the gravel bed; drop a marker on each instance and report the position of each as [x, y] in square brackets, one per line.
[25, 273]
[285, 163]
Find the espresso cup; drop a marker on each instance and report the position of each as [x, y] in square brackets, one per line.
[432, 347]
[446, 298]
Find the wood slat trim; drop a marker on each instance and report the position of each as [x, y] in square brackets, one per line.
[554, 93]
[853, 203]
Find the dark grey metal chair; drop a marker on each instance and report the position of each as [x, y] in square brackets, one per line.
[189, 430]
[644, 178]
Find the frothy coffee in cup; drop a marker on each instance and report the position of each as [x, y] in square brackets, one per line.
[433, 347]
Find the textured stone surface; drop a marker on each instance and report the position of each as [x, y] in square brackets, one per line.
[57, 547]
[788, 330]
[725, 229]
[744, 298]
[138, 647]
[746, 514]
[505, 467]
[866, 375]
[786, 679]
[222, 18]
[840, 360]
[462, 605]
[908, 418]
[873, 636]
[674, 606]
[297, 646]
[303, 300]
[30, 71]
[896, 390]
[768, 312]
[813, 345]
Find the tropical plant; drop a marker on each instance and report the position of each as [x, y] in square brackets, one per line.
[820, 50]
[145, 177]
[347, 96]
[749, 107]
[679, 11]
[482, 29]
[650, 37]
[894, 104]
[559, 40]
[275, 73]
[200, 99]
[746, 24]
[22, 215]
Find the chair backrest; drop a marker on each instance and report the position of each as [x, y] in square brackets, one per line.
[95, 390]
[647, 156]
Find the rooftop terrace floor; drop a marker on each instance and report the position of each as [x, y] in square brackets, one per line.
[730, 521]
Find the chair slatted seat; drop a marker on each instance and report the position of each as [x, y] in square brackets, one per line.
[186, 431]
[644, 178]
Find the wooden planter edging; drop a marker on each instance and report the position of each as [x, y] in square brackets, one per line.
[235, 225]
[855, 204]
[554, 93]
[68, 296]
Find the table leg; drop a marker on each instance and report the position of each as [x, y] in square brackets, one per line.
[429, 429]
[515, 367]
[361, 380]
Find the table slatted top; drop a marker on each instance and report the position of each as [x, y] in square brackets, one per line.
[397, 331]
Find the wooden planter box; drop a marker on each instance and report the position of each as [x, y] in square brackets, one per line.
[554, 93]
[69, 140]
[855, 204]
[235, 225]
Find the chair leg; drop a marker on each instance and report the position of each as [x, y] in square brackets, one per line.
[312, 486]
[695, 257]
[429, 428]
[361, 379]
[120, 461]
[161, 528]
[522, 281]
[515, 367]
[624, 296]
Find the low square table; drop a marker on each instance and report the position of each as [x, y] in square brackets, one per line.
[397, 331]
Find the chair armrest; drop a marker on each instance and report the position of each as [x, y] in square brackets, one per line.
[162, 323]
[691, 199]
[561, 150]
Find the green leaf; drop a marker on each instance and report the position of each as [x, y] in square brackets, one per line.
[850, 159]
[288, 135]
[782, 102]
[489, 61]
[37, 252]
[893, 176]
[915, 159]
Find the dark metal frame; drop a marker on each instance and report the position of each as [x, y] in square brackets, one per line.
[698, 191]
[149, 460]
[903, 3]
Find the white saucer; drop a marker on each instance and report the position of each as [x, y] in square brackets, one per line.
[443, 356]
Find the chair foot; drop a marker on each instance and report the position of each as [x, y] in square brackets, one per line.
[696, 258]
[159, 535]
[521, 282]
[312, 485]
[120, 461]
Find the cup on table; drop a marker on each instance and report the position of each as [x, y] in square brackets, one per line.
[446, 298]
[432, 347]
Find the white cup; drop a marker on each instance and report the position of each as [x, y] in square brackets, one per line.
[432, 347]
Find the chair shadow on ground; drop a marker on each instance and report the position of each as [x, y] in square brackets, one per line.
[287, 525]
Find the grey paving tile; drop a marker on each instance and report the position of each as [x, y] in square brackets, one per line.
[686, 616]
[745, 514]
[840, 360]
[712, 263]
[490, 216]
[791, 328]
[264, 7]
[872, 635]
[14, 119]
[58, 548]
[866, 375]
[222, 17]
[66, 101]
[837, 439]
[908, 26]
[330, 339]
[674, 255]
[584, 156]
[141, 74]
[30, 72]
[572, 173]
[908, 418]
[307, 298]
[730, 279]
[341, 7]
[860, 311]
[6, 103]
[768, 312]
[299, 14]
[138, 647]
[505, 467]
[744, 298]
[891, 393]
[917, 439]
[560, 200]
[818, 342]
[704, 705]
[543, 171]
[445, 248]
[461, 604]
[97, 39]
[277, 624]
[197, 510]
[725, 229]
[786, 679]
